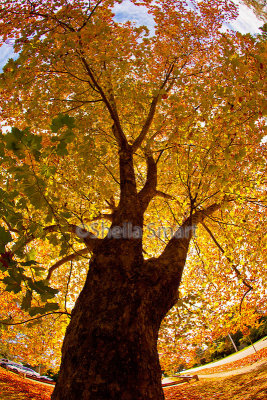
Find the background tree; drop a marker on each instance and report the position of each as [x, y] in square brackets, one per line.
[167, 124]
[259, 8]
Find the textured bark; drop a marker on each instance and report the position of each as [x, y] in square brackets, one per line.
[110, 347]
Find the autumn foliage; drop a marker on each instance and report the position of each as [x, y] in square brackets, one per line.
[114, 124]
[23, 388]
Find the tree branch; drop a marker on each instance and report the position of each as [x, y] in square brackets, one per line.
[9, 226]
[100, 216]
[90, 15]
[128, 189]
[117, 129]
[109, 171]
[33, 319]
[137, 143]
[164, 195]
[238, 273]
[149, 190]
[111, 203]
[53, 18]
[176, 249]
[65, 259]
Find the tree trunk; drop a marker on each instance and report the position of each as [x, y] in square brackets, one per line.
[110, 347]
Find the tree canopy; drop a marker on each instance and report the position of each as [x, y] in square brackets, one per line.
[186, 99]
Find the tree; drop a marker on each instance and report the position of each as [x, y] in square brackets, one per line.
[144, 126]
[207, 310]
[258, 6]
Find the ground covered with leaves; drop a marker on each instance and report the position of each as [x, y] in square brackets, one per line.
[14, 387]
[249, 386]
[243, 362]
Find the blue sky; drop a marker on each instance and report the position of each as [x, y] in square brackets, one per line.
[247, 22]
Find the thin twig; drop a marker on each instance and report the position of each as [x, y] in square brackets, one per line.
[33, 319]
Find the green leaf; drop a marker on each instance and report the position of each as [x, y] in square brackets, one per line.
[31, 255]
[60, 121]
[13, 288]
[27, 299]
[15, 219]
[36, 310]
[43, 310]
[65, 214]
[17, 133]
[212, 168]
[48, 171]
[13, 142]
[16, 275]
[47, 296]
[53, 239]
[227, 153]
[2, 267]
[36, 154]
[30, 263]
[36, 142]
[11, 284]
[7, 280]
[41, 287]
[5, 237]
[51, 306]
[52, 290]
[61, 149]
